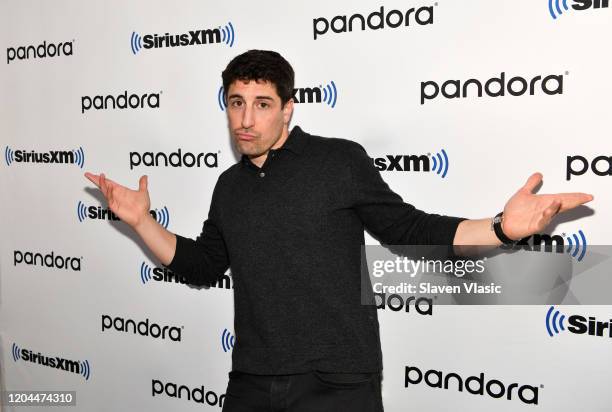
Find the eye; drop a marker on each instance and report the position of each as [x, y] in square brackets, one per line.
[263, 105]
[236, 103]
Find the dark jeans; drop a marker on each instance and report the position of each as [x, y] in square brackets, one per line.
[306, 392]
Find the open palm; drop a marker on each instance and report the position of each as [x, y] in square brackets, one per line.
[526, 213]
[129, 205]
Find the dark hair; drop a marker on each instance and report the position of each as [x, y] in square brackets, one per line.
[263, 65]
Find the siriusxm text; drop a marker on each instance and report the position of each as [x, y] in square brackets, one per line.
[104, 213]
[191, 38]
[581, 325]
[52, 156]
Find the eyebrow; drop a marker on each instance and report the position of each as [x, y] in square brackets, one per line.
[256, 97]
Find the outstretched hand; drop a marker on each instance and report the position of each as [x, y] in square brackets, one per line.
[129, 205]
[527, 213]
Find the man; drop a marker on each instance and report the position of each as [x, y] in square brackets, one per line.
[289, 219]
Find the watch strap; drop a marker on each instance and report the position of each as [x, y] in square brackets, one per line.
[497, 228]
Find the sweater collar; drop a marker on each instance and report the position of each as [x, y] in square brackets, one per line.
[295, 143]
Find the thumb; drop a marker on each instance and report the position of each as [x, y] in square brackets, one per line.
[143, 183]
[533, 181]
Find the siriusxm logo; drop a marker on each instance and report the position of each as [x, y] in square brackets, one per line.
[574, 244]
[121, 101]
[600, 166]
[162, 216]
[327, 94]
[374, 21]
[198, 394]
[557, 7]
[579, 325]
[41, 51]
[396, 303]
[437, 162]
[76, 156]
[225, 34]
[142, 328]
[174, 159]
[75, 366]
[227, 340]
[493, 87]
[50, 260]
[159, 275]
[320, 94]
[162, 274]
[476, 385]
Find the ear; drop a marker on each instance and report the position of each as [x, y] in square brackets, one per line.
[287, 111]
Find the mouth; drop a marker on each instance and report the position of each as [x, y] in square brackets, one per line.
[247, 137]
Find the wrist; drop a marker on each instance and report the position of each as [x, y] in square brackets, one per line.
[144, 221]
[497, 225]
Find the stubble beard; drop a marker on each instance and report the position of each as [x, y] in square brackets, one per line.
[249, 148]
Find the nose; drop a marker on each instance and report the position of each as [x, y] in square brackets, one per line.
[248, 117]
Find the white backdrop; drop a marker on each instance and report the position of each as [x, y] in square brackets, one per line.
[492, 145]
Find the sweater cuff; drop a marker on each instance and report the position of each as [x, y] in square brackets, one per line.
[180, 261]
[448, 235]
[447, 228]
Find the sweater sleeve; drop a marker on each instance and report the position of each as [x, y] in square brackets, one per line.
[203, 260]
[387, 216]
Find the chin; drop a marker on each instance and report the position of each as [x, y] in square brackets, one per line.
[246, 150]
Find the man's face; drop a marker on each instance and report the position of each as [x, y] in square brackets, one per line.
[257, 121]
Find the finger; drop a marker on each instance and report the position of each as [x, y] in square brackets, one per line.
[95, 179]
[110, 197]
[104, 186]
[143, 183]
[102, 181]
[548, 214]
[552, 209]
[572, 200]
[108, 181]
[533, 181]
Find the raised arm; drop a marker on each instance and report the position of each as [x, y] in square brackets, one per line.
[132, 207]
[396, 222]
[201, 261]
